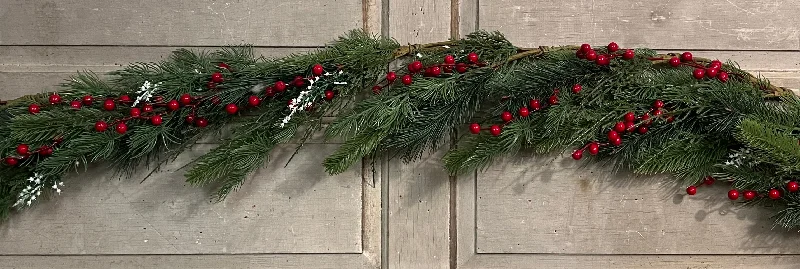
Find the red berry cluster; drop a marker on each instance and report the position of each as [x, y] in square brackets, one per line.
[612, 51]
[773, 193]
[523, 112]
[710, 71]
[416, 67]
[628, 124]
[24, 151]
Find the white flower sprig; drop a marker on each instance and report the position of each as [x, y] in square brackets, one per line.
[34, 190]
[145, 92]
[305, 100]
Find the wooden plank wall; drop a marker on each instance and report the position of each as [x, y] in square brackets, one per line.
[557, 215]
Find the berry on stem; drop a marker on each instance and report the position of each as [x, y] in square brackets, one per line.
[269, 91]
[612, 135]
[553, 100]
[280, 86]
[135, 112]
[506, 116]
[658, 104]
[391, 77]
[201, 122]
[716, 64]
[576, 88]
[577, 154]
[628, 55]
[495, 130]
[749, 195]
[708, 180]
[524, 112]
[792, 186]
[415, 66]
[217, 77]
[190, 119]
[585, 47]
[224, 66]
[253, 100]
[156, 120]
[173, 105]
[616, 142]
[54, 99]
[642, 129]
[121, 128]
[186, 99]
[711, 72]
[329, 95]
[449, 59]
[11, 161]
[630, 117]
[774, 194]
[376, 89]
[125, 99]
[45, 151]
[687, 57]
[722, 76]
[691, 190]
[658, 112]
[472, 57]
[34, 109]
[594, 148]
[675, 62]
[109, 105]
[407, 79]
[461, 67]
[733, 195]
[591, 55]
[75, 104]
[317, 70]
[87, 100]
[620, 127]
[231, 109]
[475, 128]
[613, 47]
[298, 81]
[630, 126]
[535, 104]
[147, 108]
[100, 126]
[699, 73]
[22, 149]
[603, 60]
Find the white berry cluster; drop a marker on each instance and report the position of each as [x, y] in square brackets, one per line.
[34, 190]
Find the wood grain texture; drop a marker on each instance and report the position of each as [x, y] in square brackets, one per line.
[713, 24]
[248, 261]
[177, 23]
[419, 199]
[585, 209]
[419, 21]
[297, 209]
[637, 261]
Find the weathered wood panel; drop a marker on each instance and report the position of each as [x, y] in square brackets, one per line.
[637, 261]
[297, 209]
[714, 24]
[177, 23]
[248, 261]
[579, 209]
[419, 21]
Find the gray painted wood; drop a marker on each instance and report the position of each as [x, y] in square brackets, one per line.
[297, 209]
[638, 261]
[247, 261]
[731, 24]
[419, 21]
[177, 23]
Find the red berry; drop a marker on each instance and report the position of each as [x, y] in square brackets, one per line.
[407, 80]
[317, 70]
[109, 104]
[280, 86]
[135, 112]
[658, 104]
[708, 180]
[376, 89]
[749, 195]
[691, 190]
[733, 194]
[594, 148]
[577, 155]
[585, 47]
[253, 100]
[269, 91]
[629, 117]
[290, 102]
[449, 59]
[591, 55]
[792, 186]
[461, 67]
[472, 57]
[576, 88]
[613, 135]
[125, 99]
[642, 129]
[391, 77]
[435, 71]
[670, 119]
[121, 128]
[658, 112]
[147, 108]
[506, 116]
[524, 112]
[619, 127]
[616, 142]
[646, 119]
[34, 109]
[88, 100]
[190, 119]
[329, 95]
[553, 100]
[716, 64]
[699, 73]
[217, 77]
[224, 66]
[298, 81]
[22, 149]
[612, 47]
[55, 99]
[11, 161]
[686, 57]
[675, 62]
[495, 130]
[45, 151]
[580, 54]
[475, 128]
[415, 66]
[201, 122]
[722, 76]
[100, 126]
[711, 72]
[774, 194]
[75, 104]
[630, 126]
[536, 105]
[211, 85]
[231, 109]
[173, 105]
[186, 99]
[156, 120]
[628, 54]
[603, 60]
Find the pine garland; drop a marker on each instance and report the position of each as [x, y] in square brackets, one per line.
[651, 113]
